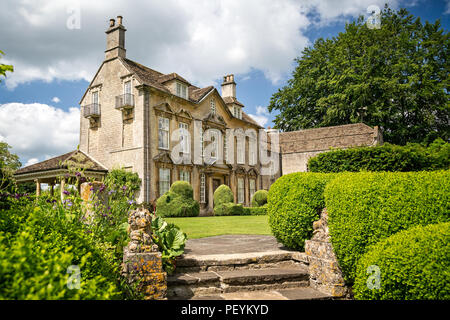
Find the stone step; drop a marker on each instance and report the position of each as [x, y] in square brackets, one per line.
[254, 260]
[206, 283]
[303, 293]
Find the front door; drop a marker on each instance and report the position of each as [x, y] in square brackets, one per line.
[216, 184]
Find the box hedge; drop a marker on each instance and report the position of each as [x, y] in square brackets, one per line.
[256, 211]
[294, 202]
[413, 264]
[259, 198]
[367, 207]
[388, 157]
[178, 201]
[229, 209]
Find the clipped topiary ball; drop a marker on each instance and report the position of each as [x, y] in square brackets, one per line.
[259, 198]
[223, 194]
[183, 188]
[411, 264]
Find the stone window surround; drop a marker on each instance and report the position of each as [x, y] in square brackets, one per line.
[162, 165]
[165, 130]
[187, 169]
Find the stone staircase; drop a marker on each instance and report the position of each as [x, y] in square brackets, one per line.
[242, 276]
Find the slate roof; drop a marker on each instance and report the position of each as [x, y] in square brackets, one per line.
[60, 162]
[157, 79]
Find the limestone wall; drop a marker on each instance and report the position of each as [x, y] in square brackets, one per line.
[324, 271]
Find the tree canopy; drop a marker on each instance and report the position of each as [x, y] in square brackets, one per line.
[4, 67]
[395, 77]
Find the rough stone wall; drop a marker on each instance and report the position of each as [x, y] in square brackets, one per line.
[298, 146]
[324, 272]
[142, 263]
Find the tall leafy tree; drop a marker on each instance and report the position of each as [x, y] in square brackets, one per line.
[396, 77]
[9, 163]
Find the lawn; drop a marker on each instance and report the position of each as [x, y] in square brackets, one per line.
[201, 227]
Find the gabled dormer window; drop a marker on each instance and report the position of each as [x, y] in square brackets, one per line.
[182, 90]
[237, 112]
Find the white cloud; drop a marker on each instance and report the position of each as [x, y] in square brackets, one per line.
[200, 39]
[261, 116]
[447, 11]
[31, 161]
[38, 131]
[56, 100]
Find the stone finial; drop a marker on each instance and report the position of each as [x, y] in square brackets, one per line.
[119, 20]
[111, 23]
[140, 231]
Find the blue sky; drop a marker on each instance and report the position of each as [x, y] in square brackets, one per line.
[53, 64]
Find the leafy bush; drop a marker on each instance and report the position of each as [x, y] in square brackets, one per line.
[170, 240]
[256, 211]
[182, 188]
[224, 203]
[178, 202]
[413, 264]
[259, 198]
[388, 157]
[120, 179]
[223, 194]
[294, 202]
[34, 258]
[365, 208]
[229, 209]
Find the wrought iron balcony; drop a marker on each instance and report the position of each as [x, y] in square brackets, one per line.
[125, 101]
[91, 110]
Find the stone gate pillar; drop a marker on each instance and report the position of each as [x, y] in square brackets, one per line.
[142, 263]
[324, 272]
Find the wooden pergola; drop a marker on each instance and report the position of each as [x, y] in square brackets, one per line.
[60, 169]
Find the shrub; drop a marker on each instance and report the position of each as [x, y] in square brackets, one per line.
[223, 194]
[388, 157]
[34, 259]
[120, 179]
[365, 208]
[256, 211]
[229, 209]
[294, 203]
[413, 264]
[183, 188]
[259, 198]
[178, 202]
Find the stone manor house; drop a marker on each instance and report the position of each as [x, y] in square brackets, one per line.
[133, 117]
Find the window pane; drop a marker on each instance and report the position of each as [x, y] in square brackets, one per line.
[164, 181]
[241, 190]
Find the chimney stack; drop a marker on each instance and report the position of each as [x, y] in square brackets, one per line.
[115, 39]
[229, 86]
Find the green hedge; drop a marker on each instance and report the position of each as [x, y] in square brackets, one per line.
[259, 199]
[413, 264]
[294, 203]
[388, 157]
[229, 209]
[256, 211]
[178, 201]
[367, 207]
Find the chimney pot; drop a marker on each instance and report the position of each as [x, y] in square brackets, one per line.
[119, 20]
[112, 22]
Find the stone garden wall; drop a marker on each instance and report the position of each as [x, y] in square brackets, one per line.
[324, 272]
